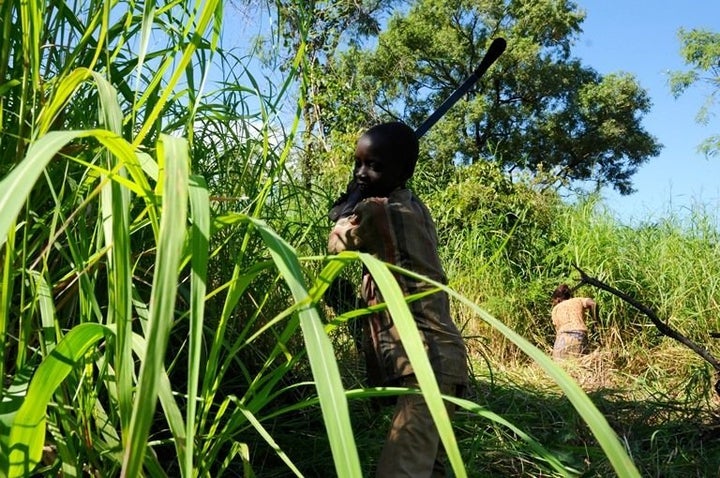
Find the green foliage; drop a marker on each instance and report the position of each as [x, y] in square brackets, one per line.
[635, 374]
[95, 233]
[325, 28]
[537, 109]
[701, 52]
[669, 264]
[508, 230]
[159, 247]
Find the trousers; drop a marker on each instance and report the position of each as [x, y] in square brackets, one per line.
[412, 448]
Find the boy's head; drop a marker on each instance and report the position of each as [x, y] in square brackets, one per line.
[385, 158]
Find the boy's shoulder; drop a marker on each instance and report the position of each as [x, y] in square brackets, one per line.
[402, 195]
[401, 200]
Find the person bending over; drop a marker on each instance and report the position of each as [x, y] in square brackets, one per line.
[568, 317]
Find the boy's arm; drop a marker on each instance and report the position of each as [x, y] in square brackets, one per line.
[344, 235]
[359, 230]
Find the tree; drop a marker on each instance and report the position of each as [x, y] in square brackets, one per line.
[324, 27]
[538, 109]
[701, 51]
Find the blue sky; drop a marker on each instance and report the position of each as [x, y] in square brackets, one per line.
[640, 37]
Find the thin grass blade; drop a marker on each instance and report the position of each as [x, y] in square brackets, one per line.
[200, 236]
[321, 355]
[162, 299]
[27, 435]
[410, 336]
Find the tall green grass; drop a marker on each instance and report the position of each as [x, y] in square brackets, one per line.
[636, 375]
[161, 309]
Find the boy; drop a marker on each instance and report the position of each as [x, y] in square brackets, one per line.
[389, 222]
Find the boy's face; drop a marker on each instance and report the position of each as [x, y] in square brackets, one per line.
[376, 173]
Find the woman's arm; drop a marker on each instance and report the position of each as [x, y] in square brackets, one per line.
[590, 304]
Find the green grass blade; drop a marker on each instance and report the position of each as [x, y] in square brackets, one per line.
[16, 186]
[472, 407]
[43, 295]
[200, 236]
[6, 295]
[597, 423]
[11, 402]
[321, 356]
[64, 90]
[204, 19]
[162, 299]
[115, 206]
[268, 438]
[28, 429]
[536, 446]
[237, 285]
[172, 412]
[408, 331]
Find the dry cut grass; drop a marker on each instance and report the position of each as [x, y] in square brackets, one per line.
[660, 402]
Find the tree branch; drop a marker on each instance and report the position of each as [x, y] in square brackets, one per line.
[661, 326]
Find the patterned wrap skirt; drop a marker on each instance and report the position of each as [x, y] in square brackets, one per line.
[570, 343]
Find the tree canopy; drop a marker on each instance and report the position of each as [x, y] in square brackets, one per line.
[538, 109]
[701, 51]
